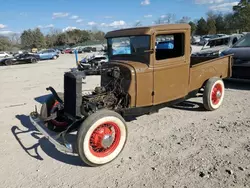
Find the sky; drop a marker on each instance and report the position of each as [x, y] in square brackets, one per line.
[18, 15]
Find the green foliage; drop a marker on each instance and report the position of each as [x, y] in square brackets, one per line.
[5, 43]
[211, 26]
[242, 15]
[220, 23]
[38, 39]
[34, 38]
[202, 27]
[193, 27]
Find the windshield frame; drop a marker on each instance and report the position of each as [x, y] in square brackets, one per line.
[138, 56]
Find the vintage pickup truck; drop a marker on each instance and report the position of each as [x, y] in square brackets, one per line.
[140, 78]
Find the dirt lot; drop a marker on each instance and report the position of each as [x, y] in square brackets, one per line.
[183, 146]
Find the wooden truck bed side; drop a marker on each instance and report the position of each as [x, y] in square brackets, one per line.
[216, 67]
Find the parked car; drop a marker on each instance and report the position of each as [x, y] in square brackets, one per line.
[215, 46]
[67, 51]
[48, 54]
[92, 65]
[221, 35]
[205, 39]
[20, 59]
[87, 49]
[4, 54]
[131, 85]
[80, 50]
[195, 40]
[57, 51]
[241, 58]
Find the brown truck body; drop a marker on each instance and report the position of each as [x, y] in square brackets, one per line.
[162, 81]
[143, 75]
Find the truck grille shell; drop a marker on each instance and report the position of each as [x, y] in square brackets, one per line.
[73, 93]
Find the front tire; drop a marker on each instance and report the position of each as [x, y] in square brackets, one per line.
[54, 57]
[101, 137]
[213, 94]
[33, 60]
[8, 62]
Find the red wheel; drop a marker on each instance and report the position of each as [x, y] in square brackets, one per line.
[213, 94]
[101, 137]
[105, 139]
[216, 93]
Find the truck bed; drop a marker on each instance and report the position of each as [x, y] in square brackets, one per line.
[197, 60]
[203, 68]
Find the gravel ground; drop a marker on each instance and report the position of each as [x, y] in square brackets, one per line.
[182, 146]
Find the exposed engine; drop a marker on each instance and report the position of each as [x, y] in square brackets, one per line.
[111, 96]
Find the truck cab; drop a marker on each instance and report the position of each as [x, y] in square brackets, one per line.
[159, 63]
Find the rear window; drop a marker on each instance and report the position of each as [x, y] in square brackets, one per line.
[170, 46]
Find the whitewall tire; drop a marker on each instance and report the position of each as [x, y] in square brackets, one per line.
[101, 137]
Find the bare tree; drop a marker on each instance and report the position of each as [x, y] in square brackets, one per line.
[166, 19]
[138, 23]
[15, 38]
[184, 19]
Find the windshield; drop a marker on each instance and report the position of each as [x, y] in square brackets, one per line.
[131, 47]
[244, 42]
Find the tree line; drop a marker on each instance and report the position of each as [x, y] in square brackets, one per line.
[36, 39]
[236, 21]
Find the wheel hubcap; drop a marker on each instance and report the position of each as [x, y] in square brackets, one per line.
[107, 141]
[216, 94]
[104, 139]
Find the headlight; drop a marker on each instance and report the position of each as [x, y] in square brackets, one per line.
[216, 53]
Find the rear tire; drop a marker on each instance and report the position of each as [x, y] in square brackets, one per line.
[101, 137]
[213, 94]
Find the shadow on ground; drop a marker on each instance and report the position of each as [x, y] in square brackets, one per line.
[44, 144]
[189, 106]
[237, 84]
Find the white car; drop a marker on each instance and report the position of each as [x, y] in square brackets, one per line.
[4, 54]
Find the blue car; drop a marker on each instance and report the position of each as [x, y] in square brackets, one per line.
[165, 45]
[122, 50]
[48, 54]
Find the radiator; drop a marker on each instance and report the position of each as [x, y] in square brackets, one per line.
[73, 93]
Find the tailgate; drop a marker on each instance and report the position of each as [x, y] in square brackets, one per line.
[219, 67]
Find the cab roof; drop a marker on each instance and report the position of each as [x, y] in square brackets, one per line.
[148, 30]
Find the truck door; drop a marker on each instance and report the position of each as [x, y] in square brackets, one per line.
[171, 65]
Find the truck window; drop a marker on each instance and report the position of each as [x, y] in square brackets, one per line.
[134, 48]
[170, 46]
